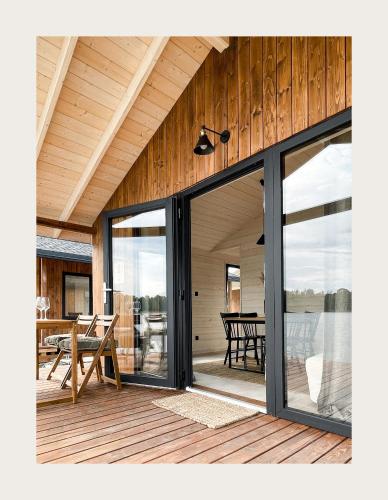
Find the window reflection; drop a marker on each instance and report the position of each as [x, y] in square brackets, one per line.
[139, 295]
[317, 277]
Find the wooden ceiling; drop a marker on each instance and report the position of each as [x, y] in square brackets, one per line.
[99, 102]
[222, 218]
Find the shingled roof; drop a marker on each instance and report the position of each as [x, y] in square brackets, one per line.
[63, 249]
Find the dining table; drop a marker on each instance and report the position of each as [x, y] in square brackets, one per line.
[256, 320]
[63, 324]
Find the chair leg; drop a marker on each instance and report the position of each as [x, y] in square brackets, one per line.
[93, 365]
[230, 353]
[81, 363]
[245, 353]
[99, 367]
[256, 354]
[67, 376]
[116, 365]
[226, 355]
[237, 350]
[56, 363]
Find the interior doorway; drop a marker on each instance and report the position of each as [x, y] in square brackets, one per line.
[228, 289]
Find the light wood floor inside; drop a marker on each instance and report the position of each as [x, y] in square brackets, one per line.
[107, 426]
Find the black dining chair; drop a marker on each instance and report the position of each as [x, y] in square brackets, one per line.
[251, 333]
[223, 317]
[234, 332]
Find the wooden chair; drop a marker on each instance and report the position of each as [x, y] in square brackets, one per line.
[54, 340]
[97, 347]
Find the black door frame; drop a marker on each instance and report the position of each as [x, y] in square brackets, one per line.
[169, 204]
[337, 122]
[271, 159]
[179, 276]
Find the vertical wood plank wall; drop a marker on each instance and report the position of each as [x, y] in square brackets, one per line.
[49, 280]
[263, 89]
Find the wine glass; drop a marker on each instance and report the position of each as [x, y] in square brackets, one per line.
[46, 305]
[39, 305]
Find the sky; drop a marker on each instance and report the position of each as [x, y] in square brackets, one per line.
[317, 252]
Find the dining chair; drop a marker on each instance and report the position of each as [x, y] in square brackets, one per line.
[83, 320]
[97, 347]
[223, 317]
[251, 333]
[156, 328]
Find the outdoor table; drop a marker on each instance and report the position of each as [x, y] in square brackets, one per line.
[64, 324]
[258, 320]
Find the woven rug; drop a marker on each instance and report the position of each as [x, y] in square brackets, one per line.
[211, 412]
[218, 369]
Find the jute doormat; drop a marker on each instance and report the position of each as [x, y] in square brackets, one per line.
[211, 412]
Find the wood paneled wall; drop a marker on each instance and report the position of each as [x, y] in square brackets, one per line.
[263, 89]
[49, 280]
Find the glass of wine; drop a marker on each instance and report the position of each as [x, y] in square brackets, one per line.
[39, 305]
[46, 306]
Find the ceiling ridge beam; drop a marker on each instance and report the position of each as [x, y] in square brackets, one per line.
[220, 43]
[55, 88]
[69, 226]
[145, 68]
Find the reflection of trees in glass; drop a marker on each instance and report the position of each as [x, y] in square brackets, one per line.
[157, 303]
[339, 301]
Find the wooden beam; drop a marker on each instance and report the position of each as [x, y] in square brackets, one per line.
[218, 42]
[69, 226]
[61, 68]
[139, 79]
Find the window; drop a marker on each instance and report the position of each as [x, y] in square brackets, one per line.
[317, 253]
[232, 288]
[77, 295]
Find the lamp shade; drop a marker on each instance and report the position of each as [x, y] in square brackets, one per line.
[204, 146]
[261, 240]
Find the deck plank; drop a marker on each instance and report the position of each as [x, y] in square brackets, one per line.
[107, 426]
[315, 450]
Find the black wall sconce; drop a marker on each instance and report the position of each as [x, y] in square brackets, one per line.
[204, 146]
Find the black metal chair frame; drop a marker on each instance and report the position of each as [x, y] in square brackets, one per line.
[236, 332]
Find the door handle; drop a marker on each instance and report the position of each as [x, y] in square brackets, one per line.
[105, 289]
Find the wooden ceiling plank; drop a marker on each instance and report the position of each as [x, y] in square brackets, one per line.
[87, 53]
[86, 89]
[55, 89]
[47, 50]
[55, 40]
[193, 46]
[143, 72]
[220, 43]
[76, 126]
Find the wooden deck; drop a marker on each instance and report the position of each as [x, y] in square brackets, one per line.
[107, 426]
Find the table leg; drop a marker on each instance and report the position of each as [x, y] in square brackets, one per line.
[37, 354]
[74, 363]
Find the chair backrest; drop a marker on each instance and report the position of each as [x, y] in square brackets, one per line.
[248, 315]
[108, 321]
[227, 315]
[156, 322]
[89, 321]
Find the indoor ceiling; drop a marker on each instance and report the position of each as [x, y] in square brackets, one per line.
[99, 102]
[222, 218]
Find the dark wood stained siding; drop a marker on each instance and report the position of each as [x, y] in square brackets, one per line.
[49, 280]
[263, 89]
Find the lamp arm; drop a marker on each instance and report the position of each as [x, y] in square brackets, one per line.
[210, 130]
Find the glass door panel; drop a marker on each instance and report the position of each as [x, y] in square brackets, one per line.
[139, 283]
[317, 283]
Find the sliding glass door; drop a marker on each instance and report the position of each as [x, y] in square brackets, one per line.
[140, 277]
[313, 322]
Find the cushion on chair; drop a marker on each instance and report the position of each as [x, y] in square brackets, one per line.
[55, 339]
[85, 344]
